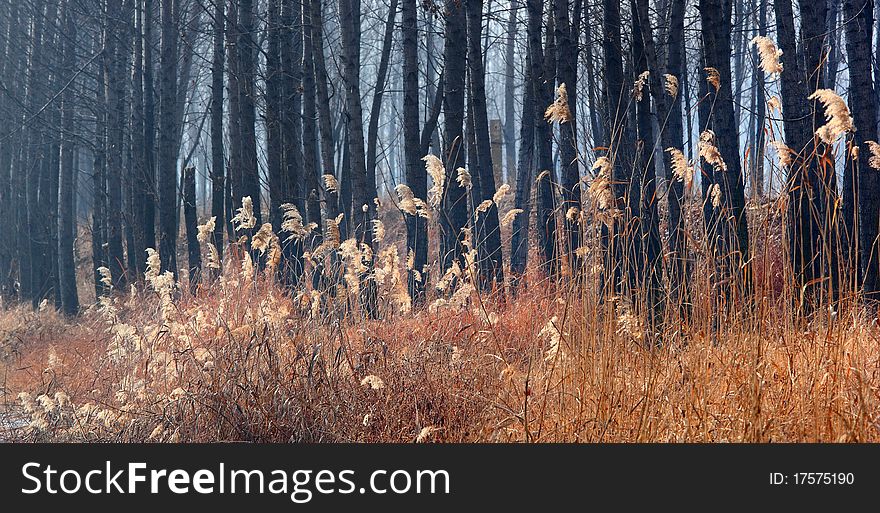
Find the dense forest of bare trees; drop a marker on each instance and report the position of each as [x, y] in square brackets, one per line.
[625, 133]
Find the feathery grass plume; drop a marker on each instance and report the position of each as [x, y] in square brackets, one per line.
[213, 257]
[330, 183]
[551, 333]
[628, 323]
[783, 151]
[354, 265]
[558, 111]
[715, 195]
[106, 277]
[709, 152]
[438, 177]
[500, 193]
[874, 159]
[244, 217]
[573, 214]
[639, 85]
[484, 206]
[837, 117]
[769, 55]
[426, 432]
[378, 231]
[264, 238]
[713, 78]
[154, 264]
[463, 178]
[408, 203]
[670, 84]
[205, 231]
[599, 190]
[681, 168]
[373, 381]
[510, 216]
[774, 104]
[292, 223]
[854, 153]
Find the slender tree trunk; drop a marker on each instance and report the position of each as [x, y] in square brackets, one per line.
[863, 105]
[167, 139]
[150, 191]
[330, 196]
[311, 148]
[67, 189]
[716, 28]
[218, 174]
[416, 178]
[488, 233]
[453, 211]
[191, 221]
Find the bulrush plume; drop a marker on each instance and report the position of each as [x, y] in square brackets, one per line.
[774, 105]
[715, 195]
[330, 183]
[784, 153]
[438, 175]
[510, 216]
[874, 159]
[378, 231]
[409, 204]
[558, 111]
[600, 187]
[769, 54]
[292, 223]
[206, 230]
[837, 115]
[374, 382]
[714, 78]
[244, 217]
[484, 206]
[670, 85]
[681, 168]
[639, 85]
[709, 152]
[463, 178]
[500, 193]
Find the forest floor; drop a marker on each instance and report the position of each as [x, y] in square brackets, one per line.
[242, 361]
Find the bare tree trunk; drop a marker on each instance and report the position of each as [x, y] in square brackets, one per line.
[519, 242]
[863, 105]
[509, 91]
[488, 230]
[150, 191]
[167, 140]
[566, 66]
[416, 177]
[67, 189]
[311, 148]
[453, 212]
[542, 68]
[330, 196]
[716, 28]
[218, 174]
[191, 222]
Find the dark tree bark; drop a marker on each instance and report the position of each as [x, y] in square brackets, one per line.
[330, 197]
[416, 178]
[566, 70]
[149, 191]
[114, 83]
[807, 178]
[863, 105]
[67, 189]
[519, 241]
[167, 140]
[542, 70]
[509, 92]
[716, 28]
[311, 148]
[487, 235]
[218, 174]
[191, 221]
[649, 219]
[246, 47]
[453, 211]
